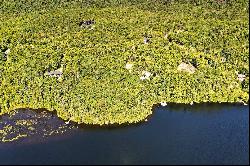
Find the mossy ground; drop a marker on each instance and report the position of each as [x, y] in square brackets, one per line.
[95, 87]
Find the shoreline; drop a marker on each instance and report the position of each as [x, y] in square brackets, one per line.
[109, 63]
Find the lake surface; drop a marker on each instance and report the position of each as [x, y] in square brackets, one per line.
[175, 134]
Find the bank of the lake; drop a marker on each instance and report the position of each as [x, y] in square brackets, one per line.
[176, 134]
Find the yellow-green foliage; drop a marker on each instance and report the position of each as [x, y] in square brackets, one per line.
[95, 87]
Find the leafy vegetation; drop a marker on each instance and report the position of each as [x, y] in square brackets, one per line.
[95, 85]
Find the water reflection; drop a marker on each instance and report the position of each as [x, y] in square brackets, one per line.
[175, 134]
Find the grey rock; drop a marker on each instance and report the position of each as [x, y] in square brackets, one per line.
[55, 73]
[146, 40]
[186, 67]
[7, 51]
[86, 24]
[241, 77]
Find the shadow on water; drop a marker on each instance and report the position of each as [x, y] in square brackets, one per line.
[209, 133]
[31, 126]
[198, 107]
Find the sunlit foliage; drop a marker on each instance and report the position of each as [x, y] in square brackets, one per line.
[38, 36]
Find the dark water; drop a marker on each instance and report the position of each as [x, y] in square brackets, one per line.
[176, 134]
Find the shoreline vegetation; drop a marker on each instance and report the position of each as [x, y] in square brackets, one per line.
[108, 62]
[40, 124]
